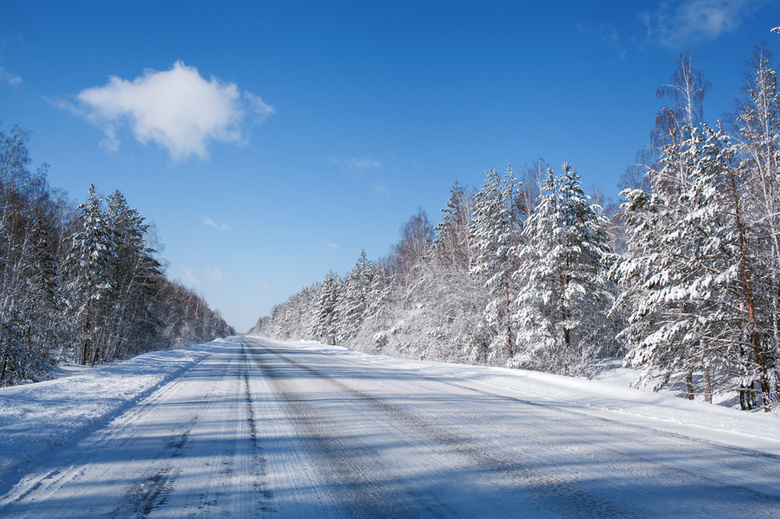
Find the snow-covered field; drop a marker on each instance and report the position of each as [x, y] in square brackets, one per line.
[249, 427]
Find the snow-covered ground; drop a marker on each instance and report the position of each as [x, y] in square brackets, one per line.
[253, 427]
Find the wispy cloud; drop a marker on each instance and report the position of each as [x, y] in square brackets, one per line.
[355, 163]
[8, 78]
[177, 109]
[189, 278]
[605, 33]
[211, 223]
[214, 275]
[362, 164]
[211, 274]
[332, 245]
[676, 23]
[359, 168]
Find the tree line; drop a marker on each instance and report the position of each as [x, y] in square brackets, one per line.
[82, 283]
[682, 279]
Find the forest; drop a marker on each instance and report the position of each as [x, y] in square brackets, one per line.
[82, 283]
[682, 279]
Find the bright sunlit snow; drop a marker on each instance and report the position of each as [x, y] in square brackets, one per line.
[254, 427]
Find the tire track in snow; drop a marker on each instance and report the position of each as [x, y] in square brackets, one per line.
[603, 466]
[360, 495]
[259, 484]
[189, 448]
[96, 437]
[14, 473]
[549, 494]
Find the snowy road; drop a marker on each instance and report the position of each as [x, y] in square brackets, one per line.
[260, 428]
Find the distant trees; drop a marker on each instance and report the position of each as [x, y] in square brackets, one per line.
[81, 283]
[462, 291]
[683, 280]
[354, 304]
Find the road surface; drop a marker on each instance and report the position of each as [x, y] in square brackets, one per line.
[266, 429]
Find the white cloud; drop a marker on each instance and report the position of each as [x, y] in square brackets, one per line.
[189, 278]
[355, 163]
[211, 223]
[676, 23]
[211, 274]
[10, 79]
[177, 109]
[214, 275]
[332, 245]
[365, 163]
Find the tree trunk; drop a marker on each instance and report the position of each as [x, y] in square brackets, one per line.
[689, 384]
[707, 386]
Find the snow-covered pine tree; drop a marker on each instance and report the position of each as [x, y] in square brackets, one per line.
[136, 271]
[353, 305]
[659, 258]
[495, 231]
[653, 185]
[90, 267]
[564, 296]
[327, 316]
[691, 270]
[451, 243]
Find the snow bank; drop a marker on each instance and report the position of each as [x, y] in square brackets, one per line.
[35, 417]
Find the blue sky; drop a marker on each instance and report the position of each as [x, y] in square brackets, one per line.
[270, 142]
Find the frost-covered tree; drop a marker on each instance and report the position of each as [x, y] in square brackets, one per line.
[683, 100]
[451, 243]
[90, 263]
[690, 270]
[564, 297]
[327, 316]
[415, 242]
[30, 322]
[353, 306]
[757, 133]
[495, 231]
[664, 168]
[675, 120]
[136, 272]
[42, 299]
[32, 326]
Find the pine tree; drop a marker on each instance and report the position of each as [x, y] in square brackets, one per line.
[327, 317]
[495, 231]
[564, 297]
[91, 265]
[451, 244]
[42, 326]
[136, 272]
[697, 304]
[353, 305]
